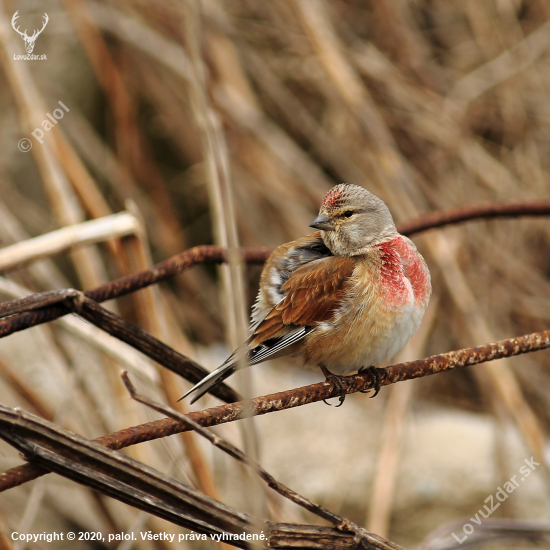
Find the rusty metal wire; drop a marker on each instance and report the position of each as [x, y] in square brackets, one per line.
[126, 285]
[302, 396]
[440, 218]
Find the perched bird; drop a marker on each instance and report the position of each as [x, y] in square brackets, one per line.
[342, 299]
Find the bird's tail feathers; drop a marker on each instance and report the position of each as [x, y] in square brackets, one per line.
[213, 379]
[235, 361]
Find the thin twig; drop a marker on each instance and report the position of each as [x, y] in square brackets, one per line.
[234, 452]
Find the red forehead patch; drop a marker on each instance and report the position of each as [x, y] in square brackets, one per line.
[332, 197]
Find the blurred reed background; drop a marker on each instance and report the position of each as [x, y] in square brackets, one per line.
[226, 122]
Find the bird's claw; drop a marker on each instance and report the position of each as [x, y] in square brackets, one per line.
[376, 378]
[340, 384]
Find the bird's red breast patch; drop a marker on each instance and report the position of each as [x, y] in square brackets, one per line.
[392, 276]
[398, 259]
[415, 269]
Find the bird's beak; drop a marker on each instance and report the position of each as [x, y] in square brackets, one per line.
[322, 222]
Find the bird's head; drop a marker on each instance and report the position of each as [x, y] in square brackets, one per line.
[352, 220]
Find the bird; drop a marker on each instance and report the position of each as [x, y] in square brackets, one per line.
[342, 299]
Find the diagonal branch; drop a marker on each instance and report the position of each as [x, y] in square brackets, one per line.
[116, 326]
[235, 453]
[302, 396]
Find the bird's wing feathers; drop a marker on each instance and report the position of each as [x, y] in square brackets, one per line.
[310, 293]
[271, 347]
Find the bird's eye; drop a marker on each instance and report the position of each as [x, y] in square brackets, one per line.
[348, 213]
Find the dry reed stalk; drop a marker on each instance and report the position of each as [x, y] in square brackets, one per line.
[44, 272]
[504, 383]
[502, 380]
[5, 536]
[389, 165]
[63, 202]
[492, 166]
[85, 186]
[433, 119]
[395, 416]
[234, 105]
[500, 377]
[499, 69]
[215, 156]
[507, 388]
[30, 395]
[131, 146]
[119, 352]
[153, 317]
[301, 121]
[68, 238]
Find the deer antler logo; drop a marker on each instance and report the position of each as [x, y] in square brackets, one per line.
[29, 40]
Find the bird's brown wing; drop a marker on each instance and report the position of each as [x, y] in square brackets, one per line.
[312, 293]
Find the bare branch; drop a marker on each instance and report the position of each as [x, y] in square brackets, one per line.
[116, 326]
[462, 214]
[126, 285]
[302, 396]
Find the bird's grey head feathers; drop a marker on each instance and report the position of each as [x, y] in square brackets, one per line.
[352, 220]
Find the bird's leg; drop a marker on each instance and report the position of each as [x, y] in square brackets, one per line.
[339, 382]
[376, 378]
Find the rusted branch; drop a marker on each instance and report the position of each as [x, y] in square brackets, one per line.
[215, 255]
[462, 214]
[235, 453]
[308, 394]
[131, 283]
